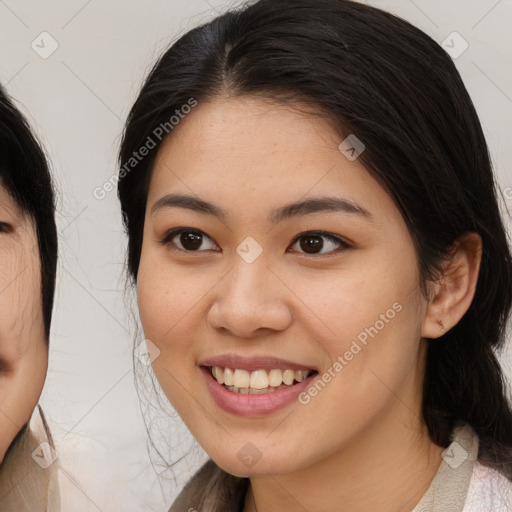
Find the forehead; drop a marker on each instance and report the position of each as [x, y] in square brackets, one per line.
[248, 152]
[22, 223]
[7, 203]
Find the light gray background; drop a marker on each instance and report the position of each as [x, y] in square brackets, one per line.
[77, 100]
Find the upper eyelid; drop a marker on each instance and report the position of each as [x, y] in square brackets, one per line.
[171, 233]
[326, 234]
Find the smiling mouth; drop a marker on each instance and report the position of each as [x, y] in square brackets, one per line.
[258, 382]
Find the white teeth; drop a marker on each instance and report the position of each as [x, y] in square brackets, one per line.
[275, 378]
[241, 378]
[228, 376]
[257, 381]
[218, 374]
[288, 376]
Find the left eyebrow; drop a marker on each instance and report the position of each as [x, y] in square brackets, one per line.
[305, 207]
[315, 205]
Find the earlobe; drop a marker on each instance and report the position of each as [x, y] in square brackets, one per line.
[453, 293]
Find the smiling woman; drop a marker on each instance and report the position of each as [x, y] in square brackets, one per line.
[28, 258]
[321, 266]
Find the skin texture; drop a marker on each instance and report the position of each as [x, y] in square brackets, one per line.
[364, 429]
[23, 347]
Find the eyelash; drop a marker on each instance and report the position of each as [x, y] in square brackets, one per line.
[344, 245]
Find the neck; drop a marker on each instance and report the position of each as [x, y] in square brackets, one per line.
[388, 468]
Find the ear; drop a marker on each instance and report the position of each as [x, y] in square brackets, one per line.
[451, 295]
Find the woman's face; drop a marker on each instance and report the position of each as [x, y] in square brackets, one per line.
[247, 286]
[23, 348]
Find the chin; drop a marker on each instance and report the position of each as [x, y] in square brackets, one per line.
[255, 467]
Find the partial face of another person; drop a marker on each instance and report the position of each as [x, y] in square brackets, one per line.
[23, 347]
[324, 291]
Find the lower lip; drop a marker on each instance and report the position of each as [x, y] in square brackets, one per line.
[252, 405]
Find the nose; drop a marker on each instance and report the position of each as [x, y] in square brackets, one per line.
[250, 301]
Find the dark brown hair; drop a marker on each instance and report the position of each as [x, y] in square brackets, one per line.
[25, 175]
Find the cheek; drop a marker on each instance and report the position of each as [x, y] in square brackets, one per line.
[20, 304]
[170, 312]
[371, 292]
[374, 316]
[22, 343]
[368, 321]
[169, 301]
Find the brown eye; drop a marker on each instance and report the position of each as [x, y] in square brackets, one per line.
[315, 242]
[188, 240]
[311, 243]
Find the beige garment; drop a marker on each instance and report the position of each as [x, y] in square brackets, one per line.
[28, 473]
[449, 488]
[213, 490]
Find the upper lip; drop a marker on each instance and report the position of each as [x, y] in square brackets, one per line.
[234, 361]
